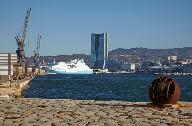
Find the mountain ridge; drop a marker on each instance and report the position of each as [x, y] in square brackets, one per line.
[185, 51]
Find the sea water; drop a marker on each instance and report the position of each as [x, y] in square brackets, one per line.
[124, 87]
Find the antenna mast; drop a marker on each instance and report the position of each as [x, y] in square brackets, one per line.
[36, 55]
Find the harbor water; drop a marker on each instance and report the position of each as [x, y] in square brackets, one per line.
[121, 87]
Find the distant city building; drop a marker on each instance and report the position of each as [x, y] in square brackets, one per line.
[172, 58]
[130, 67]
[186, 61]
[187, 68]
[99, 50]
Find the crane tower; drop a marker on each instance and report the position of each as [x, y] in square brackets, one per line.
[20, 39]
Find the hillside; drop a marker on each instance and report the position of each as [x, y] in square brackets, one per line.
[144, 53]
[181, 52]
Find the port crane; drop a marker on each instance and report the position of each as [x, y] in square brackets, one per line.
[20, 39]
[36, 53]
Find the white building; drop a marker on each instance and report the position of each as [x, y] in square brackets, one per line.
[172, 58]
[7, 60]
[186, 61]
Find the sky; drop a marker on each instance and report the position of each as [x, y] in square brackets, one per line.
[66, 25]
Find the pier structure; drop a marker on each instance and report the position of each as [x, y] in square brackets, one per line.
[15, 72]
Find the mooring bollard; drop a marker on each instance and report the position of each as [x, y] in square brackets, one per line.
[164, 90]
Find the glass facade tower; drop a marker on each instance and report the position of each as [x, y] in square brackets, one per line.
[99, 50]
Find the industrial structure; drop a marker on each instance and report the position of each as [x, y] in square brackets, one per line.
[22, 68]
[20, 39]
[99, 51]
[13, 66]
[36, 52]
[15, 69]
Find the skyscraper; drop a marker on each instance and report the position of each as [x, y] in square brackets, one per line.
[99, 50]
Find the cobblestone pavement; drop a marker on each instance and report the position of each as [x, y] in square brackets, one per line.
[53, 112]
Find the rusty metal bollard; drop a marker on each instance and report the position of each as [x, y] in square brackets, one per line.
[164, 90]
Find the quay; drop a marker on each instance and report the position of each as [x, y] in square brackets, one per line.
[14, 89]
[65, 112]
[14, 76]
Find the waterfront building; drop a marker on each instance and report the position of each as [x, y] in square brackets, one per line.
[113, 65]
[130, 67]
[187, 69]
[99, 50]
[7, 62]
[172, 58]
[186, 61]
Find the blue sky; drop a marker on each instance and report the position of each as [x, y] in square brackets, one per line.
[66, 25]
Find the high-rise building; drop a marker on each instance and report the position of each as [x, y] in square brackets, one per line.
[99, 50]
